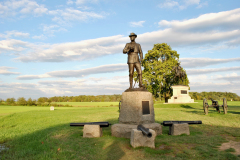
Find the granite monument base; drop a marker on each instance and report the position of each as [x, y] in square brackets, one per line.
[136, 108]
[124, 130]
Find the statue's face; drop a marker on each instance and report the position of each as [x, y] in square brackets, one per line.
[132, 38]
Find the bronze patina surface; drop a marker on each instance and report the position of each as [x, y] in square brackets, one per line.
[133, 49]
[178, 72]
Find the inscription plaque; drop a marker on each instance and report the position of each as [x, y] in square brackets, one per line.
[183, 91]
[175, 97]
[145, 107]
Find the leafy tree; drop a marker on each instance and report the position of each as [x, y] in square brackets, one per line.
[22, 101]
[10, 100]
[49, 101]
[41, 100]
[30, 102]
[158, 74]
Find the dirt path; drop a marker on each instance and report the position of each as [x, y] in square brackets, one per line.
[231, 144]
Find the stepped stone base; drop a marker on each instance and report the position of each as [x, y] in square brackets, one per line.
[124, 130]
[140, 140]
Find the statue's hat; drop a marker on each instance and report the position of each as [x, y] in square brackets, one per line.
[132, 34]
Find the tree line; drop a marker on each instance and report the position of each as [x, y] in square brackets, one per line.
[215, 95]
[44, 101]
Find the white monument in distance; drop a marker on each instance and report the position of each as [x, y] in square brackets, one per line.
[52, 108]
[180, 95]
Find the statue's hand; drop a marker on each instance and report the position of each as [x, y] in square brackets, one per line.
[131, 49]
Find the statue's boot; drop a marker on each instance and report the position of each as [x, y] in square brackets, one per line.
[131, 81]
[140, 81]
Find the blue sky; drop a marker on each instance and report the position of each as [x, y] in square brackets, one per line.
[74, 47]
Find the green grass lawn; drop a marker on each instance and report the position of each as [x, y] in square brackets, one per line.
[82, 104]
[38, 133]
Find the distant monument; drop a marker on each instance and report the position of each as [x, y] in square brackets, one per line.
[136, 103]
[180, 91]
[52, 108]
[180, 95]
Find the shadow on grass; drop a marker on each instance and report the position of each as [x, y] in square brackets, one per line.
[186, 106]
[64, 142]
[233, 112]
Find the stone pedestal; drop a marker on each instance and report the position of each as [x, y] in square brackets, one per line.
[91, 131]
[140, 140]
[180, 95]
[136, 108]
[178, 129]
[52, 108]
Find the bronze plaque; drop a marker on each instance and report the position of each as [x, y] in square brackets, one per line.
[175, 97]
[183, 91]
[145, 107]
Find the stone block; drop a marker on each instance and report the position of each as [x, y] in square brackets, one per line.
[91, 131]
[52, 108]
[136, 108]
[124, 130]
[140, 140]
[178, 129]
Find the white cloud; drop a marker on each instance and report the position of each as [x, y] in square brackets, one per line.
[168, 4]
[232, 77]
[52, 88]
[202, 4]
[214, 21]
[211, 70]
[70, 14]
[176, 36]
[202, 62]
[79, 73]
[51, 29]
[13, 7]
[191, 2]
[198, 86]
[12, 45]
[69, 2]
[42, 37]
[95, 70]
[183, 4]
[5, 71]
[9, 34]
[80, 2]
[137, 24]
[29, 77]
[82, 50]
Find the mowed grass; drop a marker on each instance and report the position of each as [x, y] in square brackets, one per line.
[89, 104]
[38, 133]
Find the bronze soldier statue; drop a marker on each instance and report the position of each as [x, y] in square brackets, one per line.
[178, 72]
[133, 49]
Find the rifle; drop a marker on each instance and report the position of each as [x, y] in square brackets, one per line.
[101, 124]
